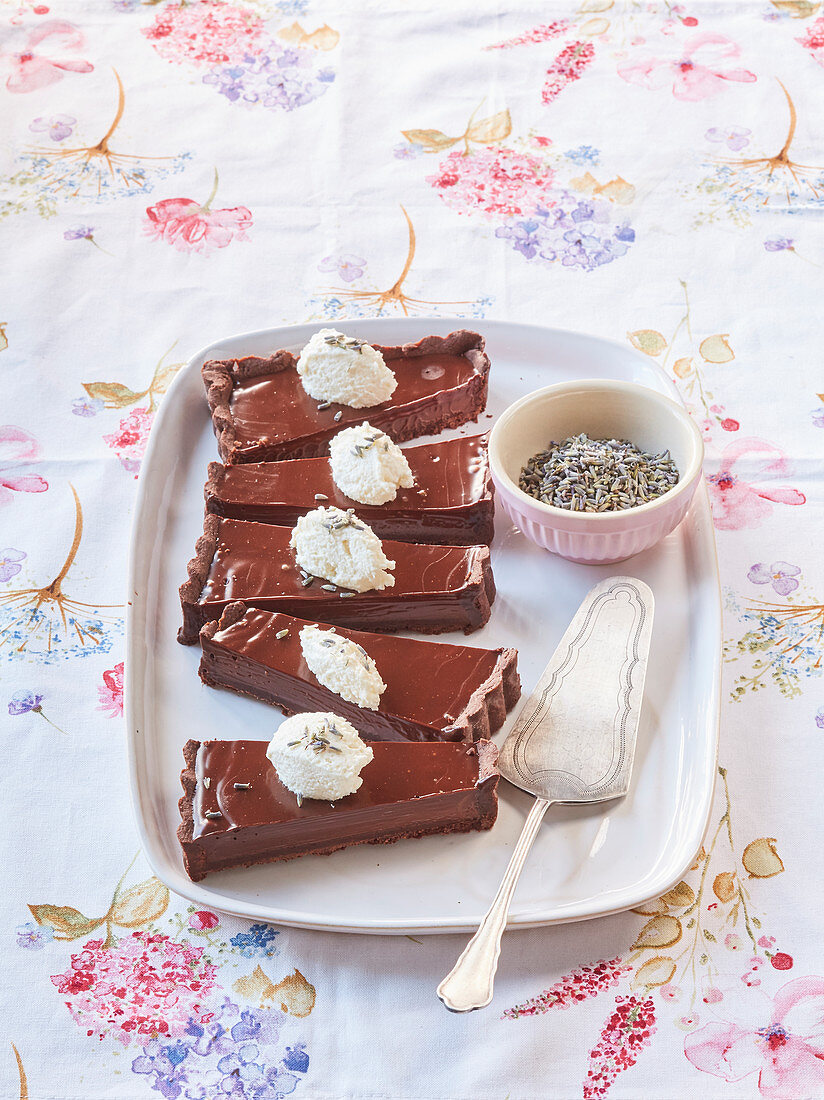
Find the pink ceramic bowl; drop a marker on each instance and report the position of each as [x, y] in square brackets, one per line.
[604, 409]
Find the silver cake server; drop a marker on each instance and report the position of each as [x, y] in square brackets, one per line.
[573, 741]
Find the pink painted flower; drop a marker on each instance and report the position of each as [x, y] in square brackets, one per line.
[191, 227]
[688, 1023]
[569, 66]
[732, 942]
[670, 992]
[31, 71]
[494, 180]
[712, 996]
[146, 985]
[587, 981]
[738, 503]
[203, 921]
[206, 32]
[111, 693]
[813, 39]
[626, 1033]
[697, 72]
[130, 439]
[542, 33]
[18, 447]
[782, 1041]
[766, 941]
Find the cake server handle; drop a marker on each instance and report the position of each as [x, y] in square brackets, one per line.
[468, 985]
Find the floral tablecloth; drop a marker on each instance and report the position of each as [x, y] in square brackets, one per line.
[174, 172]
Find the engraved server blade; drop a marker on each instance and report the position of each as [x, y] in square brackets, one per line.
[573, 741]
[574, 738]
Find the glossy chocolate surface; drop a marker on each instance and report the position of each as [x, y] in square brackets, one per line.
[436, 587]
[407, 791]
[450, 474]
[429, 685]
[249, 559]
[397, 773]
[276, 407]
[261, 412]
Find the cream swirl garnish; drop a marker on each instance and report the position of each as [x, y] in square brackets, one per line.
[337, 546]
[318, 755]
[342, 666]
[367, 465]
[334, 367]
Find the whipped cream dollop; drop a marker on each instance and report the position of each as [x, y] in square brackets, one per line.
[341, 548]
[334, 367]
[367, 465]
[319, 755]
[342, 666]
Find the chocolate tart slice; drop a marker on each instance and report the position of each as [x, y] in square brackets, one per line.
[437, 588]
[451, 502]
[407, 791]
[262, 413]
[435, 691]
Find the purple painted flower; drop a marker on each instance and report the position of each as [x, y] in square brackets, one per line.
[625, 233]
[734, 137]
[9, 563]
[33, 937]
[278, 78]
[818, 416]
[24, 701]
[819, 718]
[84, 233]
[79, 233]
[523, 237]
[29, 702]
[576, 232]
[348, 268]
[296, 1058]
[781, 575]
[237, 1054]
[87, 406]
[59, 127]
[779, 244]
[407, 150]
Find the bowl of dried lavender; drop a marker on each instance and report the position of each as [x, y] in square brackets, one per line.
[595, 470]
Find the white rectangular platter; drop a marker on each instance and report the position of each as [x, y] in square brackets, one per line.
[585, 862]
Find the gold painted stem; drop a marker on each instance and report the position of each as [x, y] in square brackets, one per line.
[103, 145]
[395, 289]
[208, 204]
[783, 155]
[53, 589]
[24, 1084]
